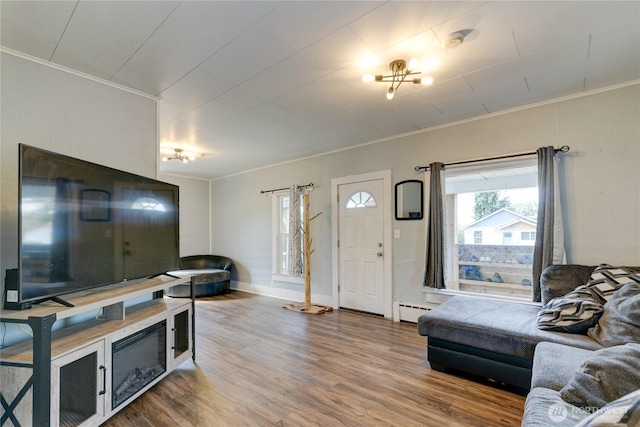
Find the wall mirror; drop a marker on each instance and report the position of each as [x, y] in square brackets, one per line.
[409, 200]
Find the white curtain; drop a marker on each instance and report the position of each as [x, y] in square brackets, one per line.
[295, 232]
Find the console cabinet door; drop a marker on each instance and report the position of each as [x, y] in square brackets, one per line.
[78, 387]
[180, 338]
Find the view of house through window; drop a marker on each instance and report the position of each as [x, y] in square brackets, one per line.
[492, 213]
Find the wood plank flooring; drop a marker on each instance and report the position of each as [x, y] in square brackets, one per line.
[258, 364]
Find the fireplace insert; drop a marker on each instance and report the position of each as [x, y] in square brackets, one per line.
[138, 359]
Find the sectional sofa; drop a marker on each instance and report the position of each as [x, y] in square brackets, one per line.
[539, 350]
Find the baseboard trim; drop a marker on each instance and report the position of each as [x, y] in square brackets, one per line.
[280, 293]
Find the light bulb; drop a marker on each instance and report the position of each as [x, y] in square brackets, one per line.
[413, 64]
[192, 158]
[390, 93]
[185, 160]
[165, 158]
[368, 78]
[427, 81]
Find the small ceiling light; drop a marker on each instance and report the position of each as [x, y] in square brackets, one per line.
[179, 154]
[454, 39]
[399, 74]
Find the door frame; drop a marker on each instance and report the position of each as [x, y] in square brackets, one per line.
[387, 293]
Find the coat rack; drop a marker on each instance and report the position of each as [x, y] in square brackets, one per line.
[307, 306]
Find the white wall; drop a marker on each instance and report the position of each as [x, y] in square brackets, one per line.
[195, 231]
[68, 114]
[601, 186]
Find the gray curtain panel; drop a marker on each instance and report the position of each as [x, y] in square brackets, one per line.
[295, 232]
[543, 249]
[434, 271]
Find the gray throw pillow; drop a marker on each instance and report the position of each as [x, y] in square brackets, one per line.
[605, 376]
[622, 412]
[620, 321]
[575, 312]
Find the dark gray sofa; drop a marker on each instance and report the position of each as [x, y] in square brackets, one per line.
[496, 339]
[569, 378]
[211, 274]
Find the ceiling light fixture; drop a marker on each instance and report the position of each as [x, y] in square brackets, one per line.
[179, 154]
[399, 73]
[455, 39]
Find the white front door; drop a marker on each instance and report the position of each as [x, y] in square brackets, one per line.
[360, 246]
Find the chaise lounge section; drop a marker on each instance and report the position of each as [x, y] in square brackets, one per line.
[496, 339]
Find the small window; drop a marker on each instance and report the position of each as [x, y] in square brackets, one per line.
[528, 235]
[148, 204]
[280, 239]
[477, 237]
[361, 199]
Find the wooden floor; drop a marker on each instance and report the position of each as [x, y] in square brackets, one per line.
[258, 364]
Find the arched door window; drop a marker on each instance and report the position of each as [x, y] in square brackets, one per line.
[361, 199]
[148, 204]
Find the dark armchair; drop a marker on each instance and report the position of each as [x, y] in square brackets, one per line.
[215, 278]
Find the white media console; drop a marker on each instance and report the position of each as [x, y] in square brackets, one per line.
[83, 373]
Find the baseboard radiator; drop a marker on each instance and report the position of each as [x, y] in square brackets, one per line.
[408, 311]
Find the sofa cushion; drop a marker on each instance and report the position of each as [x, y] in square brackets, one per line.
[575, 312]
[622, 412]
[545, 408]
[605, 376]
[559, 279]
[554, 364]
[620, 321]
[496, 326]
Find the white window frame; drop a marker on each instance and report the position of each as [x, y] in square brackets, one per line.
[452, 269]
[276, 260]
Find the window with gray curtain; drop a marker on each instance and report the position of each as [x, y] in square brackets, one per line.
[483, 220]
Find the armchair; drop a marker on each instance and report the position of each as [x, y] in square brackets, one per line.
[212, 275]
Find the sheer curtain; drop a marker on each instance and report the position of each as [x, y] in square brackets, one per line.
[295, 232]
[549, 245]
[434, 275]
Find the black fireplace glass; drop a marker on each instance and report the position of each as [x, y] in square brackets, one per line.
[138, 359]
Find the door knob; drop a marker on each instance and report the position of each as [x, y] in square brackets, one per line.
[379, 254]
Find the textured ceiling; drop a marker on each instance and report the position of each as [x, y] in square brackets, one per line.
[250, 84]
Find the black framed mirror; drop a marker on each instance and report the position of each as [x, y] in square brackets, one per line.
[409, 200]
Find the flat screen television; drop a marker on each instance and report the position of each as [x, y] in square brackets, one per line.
[83, 225]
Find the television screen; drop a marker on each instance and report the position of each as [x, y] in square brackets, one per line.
[83, 225]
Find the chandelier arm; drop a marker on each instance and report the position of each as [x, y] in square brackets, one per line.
[400, 81]
[385, 79]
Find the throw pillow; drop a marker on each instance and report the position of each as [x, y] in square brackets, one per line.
[605, 280]
[622, 412]
[607, 375]
[620, 321]
[575, 312]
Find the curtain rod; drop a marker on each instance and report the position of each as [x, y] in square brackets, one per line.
[563, 149]
[286, 188]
